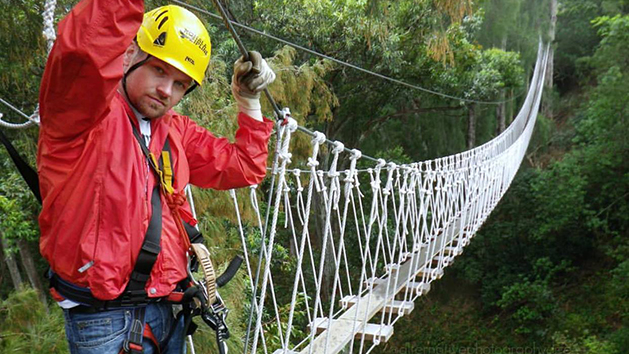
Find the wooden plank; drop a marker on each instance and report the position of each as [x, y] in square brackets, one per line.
[372, 331]
[429, 272]
[446, 260]
[391, 267]
[452, 251]
[412, 286]
[395, 307]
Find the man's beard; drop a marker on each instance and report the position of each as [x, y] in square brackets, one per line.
[150, 109]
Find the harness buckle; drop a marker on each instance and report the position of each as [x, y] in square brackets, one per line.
[131, 298]
[133, 343]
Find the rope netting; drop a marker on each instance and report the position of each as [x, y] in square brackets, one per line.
[364, 244]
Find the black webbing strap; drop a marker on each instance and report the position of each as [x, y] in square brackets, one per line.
[28, 173]
[150, 248]
[133, 343]
[147, 257]
[84, 296]
[151, 245]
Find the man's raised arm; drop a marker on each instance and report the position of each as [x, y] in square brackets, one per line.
[85, 65]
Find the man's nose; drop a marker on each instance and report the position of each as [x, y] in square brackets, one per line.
[165, 88]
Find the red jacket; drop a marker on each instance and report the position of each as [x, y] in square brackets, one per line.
[95, 182]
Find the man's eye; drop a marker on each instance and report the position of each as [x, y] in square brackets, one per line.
[180, 85]
[159, 70]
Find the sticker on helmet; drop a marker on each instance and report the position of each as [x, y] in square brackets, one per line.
[195, 39]
[160, 40]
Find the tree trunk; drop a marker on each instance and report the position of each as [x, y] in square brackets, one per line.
[471, 125]
[547, 104]
[31, 271]
[14, 271]
[501, 108]
[501, 114]
[3, 266]
[511, 108]
[318, 217]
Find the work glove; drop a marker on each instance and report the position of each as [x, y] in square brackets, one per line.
[250, 78]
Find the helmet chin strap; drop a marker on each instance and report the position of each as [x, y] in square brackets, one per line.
[126, 74]
[191, 88]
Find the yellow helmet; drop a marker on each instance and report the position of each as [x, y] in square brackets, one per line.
[177, 37]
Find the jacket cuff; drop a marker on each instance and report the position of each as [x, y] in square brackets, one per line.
[266, 125]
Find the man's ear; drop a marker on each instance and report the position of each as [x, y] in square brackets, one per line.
[130, 53]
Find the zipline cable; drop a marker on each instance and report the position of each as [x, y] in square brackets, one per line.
[338, 61]
[243, 50]
[280, 118]
[280, 115]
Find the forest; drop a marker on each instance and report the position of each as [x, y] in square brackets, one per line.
[547, 273]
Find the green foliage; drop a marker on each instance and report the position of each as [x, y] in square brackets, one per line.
[275, 331]
[532, 302]
[565, 226]
[26, 327]
[13, 224]
[22, 58]
[589, 344]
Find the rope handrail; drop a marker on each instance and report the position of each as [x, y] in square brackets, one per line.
[50, 35]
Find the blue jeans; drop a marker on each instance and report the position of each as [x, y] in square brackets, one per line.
[104, 332]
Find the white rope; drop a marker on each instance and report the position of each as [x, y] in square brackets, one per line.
[284, 157]
[50, 35]
[30, 120]
[49, 27]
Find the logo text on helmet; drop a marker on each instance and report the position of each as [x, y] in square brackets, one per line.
[194, 38]
[189, 60]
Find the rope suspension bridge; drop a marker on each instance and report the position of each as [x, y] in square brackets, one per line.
[404, 224]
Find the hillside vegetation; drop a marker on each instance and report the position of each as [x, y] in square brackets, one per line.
[547, 273]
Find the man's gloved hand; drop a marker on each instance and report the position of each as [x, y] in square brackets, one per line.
[250, 78]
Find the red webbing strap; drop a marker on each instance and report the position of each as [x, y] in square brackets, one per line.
[175, 201]
[148, 334]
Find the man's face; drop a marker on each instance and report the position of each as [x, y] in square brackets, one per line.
[156, 86]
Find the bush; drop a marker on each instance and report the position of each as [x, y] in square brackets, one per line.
[26, 327]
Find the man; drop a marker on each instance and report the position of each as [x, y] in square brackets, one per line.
[114, 159]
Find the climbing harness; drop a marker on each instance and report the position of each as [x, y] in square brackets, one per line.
[205, 299]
